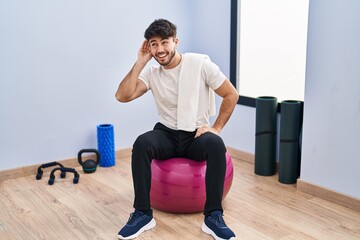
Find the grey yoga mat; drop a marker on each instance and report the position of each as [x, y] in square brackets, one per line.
[265, 136]
[289, 150]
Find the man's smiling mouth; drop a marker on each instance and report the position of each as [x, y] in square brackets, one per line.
[162, 55]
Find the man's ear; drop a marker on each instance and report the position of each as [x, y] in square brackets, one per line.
[176, 41]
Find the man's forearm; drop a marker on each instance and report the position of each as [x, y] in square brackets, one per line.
[226, 109]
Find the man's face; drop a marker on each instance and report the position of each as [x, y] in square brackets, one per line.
[163, 50]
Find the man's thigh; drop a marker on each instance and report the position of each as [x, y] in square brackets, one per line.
[207, 143]
[158, 142]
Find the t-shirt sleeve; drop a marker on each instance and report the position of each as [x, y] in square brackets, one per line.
[145, 77]
[212, 74]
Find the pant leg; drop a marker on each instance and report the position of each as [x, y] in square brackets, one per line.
[210, 147]
[156, 144]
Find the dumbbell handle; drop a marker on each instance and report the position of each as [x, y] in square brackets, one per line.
[46, 165]
[63, 169]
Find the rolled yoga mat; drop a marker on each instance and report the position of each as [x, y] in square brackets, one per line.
[265, 136]
[290, 150]
[105, 142]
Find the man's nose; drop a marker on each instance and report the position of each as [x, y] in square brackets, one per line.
[160, 48]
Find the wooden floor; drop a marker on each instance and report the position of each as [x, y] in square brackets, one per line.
[255, 208]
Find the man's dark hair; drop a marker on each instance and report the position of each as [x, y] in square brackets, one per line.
[160, 28]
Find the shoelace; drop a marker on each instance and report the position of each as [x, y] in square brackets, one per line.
[220, 220]
[134, 217]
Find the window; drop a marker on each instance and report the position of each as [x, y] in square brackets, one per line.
[268, 48]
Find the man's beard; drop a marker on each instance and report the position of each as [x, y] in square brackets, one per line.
[171, 55]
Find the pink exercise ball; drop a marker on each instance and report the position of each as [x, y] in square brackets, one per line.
[178, 184]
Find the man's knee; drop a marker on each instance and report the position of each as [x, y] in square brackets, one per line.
[142, 142]
[214, 142]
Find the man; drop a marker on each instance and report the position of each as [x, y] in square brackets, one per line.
[182, 86]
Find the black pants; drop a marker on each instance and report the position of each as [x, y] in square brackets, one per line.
[164, 143]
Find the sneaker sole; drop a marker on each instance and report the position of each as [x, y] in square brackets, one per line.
[148, 226]
[207, 230]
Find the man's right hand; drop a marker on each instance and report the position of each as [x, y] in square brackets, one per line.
[144, 54]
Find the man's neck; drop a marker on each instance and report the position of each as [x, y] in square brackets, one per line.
[175, 62]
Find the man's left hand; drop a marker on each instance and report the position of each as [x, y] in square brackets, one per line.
[205, 129]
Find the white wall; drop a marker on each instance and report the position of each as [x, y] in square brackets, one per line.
[60, 64]
[331, 135]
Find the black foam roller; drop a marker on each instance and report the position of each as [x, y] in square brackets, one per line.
[290, 149]
[265, 136]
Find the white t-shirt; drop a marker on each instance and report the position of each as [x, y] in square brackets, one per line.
[164, 86]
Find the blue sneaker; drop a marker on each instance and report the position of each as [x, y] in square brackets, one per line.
[215, 226]
[137, 223]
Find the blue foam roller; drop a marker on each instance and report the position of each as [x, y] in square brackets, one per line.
[106, 146]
